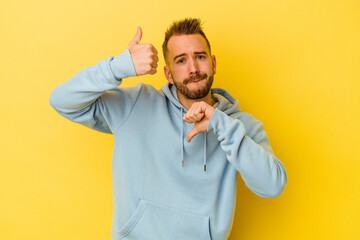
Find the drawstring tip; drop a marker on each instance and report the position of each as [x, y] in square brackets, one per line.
[204, 167]
[182, 162]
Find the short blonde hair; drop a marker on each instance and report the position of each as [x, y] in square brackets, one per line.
[186, 26]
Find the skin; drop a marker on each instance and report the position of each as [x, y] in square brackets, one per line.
[188, 56]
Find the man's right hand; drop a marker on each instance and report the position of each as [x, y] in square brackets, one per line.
[144, 56]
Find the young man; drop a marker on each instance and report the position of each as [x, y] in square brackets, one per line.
[177, 150]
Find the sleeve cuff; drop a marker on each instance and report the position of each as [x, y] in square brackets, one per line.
[223, 125]
[213, 121]
[122, 66]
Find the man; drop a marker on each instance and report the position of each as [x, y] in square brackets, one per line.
[177, 150]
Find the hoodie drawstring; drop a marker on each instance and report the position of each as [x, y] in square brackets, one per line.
[182, 142]
[182, 138]
[204, 134]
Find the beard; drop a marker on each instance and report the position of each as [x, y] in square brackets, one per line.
[195, 94]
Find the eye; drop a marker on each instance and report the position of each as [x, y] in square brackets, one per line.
[181, 61]
[201, 57]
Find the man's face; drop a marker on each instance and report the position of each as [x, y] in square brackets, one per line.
[190, 67]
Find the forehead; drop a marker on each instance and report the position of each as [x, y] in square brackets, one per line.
[179, 44]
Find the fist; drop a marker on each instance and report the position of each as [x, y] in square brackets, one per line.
[200, 114]
[144, 56]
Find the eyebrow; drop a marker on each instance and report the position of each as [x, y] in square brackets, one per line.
[183, 54]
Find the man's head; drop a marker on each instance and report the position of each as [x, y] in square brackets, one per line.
[189, 64]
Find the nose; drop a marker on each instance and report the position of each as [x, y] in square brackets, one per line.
[193, 66]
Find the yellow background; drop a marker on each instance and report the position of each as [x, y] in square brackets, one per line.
[294, 65]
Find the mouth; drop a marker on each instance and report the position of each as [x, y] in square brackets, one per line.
[195, 80]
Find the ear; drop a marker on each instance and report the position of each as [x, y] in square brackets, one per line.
[168, 74]
[213, 63]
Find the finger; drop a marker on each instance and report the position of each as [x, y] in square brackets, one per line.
[197, 116]
[153, 71]
[154, 50]
[187, 115]
[192, 133]
[193, 115]
[187, 118]
[137, 38]
[192, 119]
[154, 65]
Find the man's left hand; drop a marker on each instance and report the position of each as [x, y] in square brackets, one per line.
[200, 114]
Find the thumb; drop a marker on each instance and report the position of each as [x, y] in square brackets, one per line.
[137, 38]
[192, 133]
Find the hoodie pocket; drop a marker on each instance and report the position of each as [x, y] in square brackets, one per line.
[155, 221]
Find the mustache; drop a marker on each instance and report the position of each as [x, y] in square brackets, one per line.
[195, 77]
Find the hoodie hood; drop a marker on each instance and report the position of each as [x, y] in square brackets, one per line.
[224, 102]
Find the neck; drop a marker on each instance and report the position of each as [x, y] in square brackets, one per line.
[187, 102]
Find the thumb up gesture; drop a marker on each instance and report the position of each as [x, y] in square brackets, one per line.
[144, 56]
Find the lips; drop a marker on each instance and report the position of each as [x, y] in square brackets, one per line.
[195, 78]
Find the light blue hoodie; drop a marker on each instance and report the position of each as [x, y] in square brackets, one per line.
[160, 187]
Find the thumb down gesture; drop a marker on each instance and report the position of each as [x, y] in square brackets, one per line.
[144, 56]
[199, 113]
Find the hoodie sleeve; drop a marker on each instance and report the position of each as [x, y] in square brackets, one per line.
[249, 151]
[91, 96]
